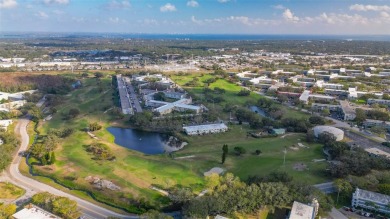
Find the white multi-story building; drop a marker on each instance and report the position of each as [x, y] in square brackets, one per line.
[371, 201]
[205, 129]
[376, 123]
[378, 101]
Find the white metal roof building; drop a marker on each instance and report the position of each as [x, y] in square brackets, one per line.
[371, 200]
[337, 133]
[302, 211]
[34, 212]
[205, 129]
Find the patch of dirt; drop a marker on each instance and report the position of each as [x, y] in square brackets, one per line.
[300, 167]
[216, 170]
[294, 148]
[102, 183]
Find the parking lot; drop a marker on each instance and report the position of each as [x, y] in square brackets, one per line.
[135, 102]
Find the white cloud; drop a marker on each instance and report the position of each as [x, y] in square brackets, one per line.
[42, 15]
[61, 2]
[279, 7]
[193, 19]
[192, 3]
[360, 7]
[8, 3]
[118, 4]
[223, 1]
[58, 12]
[242, 20]
[116, 20]
[385, 14]
[148, 21]
[289, 16]
[167, 8]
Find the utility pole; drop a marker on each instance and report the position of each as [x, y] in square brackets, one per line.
[284, 157]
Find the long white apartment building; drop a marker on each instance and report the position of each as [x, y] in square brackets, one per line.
[378, 101]
[306, 96]
[371, 201]
[205, 129]
[376, 123]
[322, 84]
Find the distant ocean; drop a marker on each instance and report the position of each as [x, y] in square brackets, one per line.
[20, 35]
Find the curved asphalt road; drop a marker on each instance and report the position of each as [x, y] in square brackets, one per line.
[88, 209]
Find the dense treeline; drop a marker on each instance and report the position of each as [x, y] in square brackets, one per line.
[228, 195]
[10, 142]
[348, 160]
[111, 47]
[53, 84]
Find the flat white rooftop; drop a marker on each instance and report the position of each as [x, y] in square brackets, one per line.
[301, 211]
[204, 127]
[34, 212]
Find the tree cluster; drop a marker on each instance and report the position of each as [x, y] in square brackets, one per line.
[43, 148]
[244, 92]
[7, 210]
[228, 195]
[10, 142]
[94, 127]
[61, 206]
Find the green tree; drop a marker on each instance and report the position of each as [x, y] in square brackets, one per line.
[360, 116]
[84, 74]
[99, 75]
[94, 126]
[52, 157]
[342, 186]
[225, 151]
[239, 150]
[73, 113]
[181, 195]
[65, 207]
[317, 120]
[7, 210]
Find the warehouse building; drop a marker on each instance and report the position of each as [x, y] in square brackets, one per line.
[205, 129]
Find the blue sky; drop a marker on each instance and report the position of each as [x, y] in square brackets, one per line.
[198, 16]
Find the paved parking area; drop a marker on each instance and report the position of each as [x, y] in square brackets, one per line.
[134, 98]
[123, 95]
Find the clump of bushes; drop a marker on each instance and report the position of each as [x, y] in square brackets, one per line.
[100, 151]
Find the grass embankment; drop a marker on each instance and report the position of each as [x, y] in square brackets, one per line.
[10, 191]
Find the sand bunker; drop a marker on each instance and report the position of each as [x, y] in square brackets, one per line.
[216, 170]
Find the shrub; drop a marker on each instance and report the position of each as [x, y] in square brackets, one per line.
[239, 150]
[100, 151]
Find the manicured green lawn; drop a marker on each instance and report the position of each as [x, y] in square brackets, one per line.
[135, 172]
[208, 151]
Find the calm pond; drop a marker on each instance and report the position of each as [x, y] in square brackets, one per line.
[145, 142]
